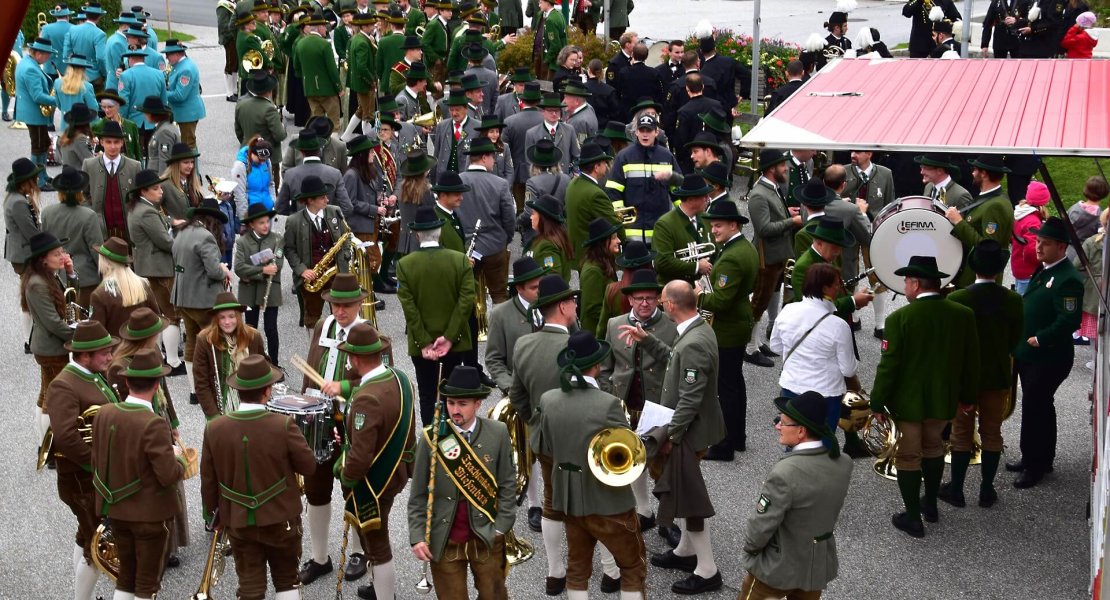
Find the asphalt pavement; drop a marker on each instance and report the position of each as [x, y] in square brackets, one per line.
[1033, 544]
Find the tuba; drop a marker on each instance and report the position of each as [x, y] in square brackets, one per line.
[616, 456]
[480, 312]
[8, 79]
[214, 566]
[326, 268]
[41, 21]
[74, 311]
[252, 60]
[360, 266]
[516, 549]
[84, 429]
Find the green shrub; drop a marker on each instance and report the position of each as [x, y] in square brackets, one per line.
[30, 24]
[519, 54]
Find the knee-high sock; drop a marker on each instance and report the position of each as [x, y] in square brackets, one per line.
[577, 595]
[319, 518]
[960, 461]
[294, 594]
[189, 376]
[171, 339]
[879, 305]
[685, 547]
[554, 532]
[640, 492]
[123, 596]
[773, 311]
[385, 581]
[25, 320]
[354, 542]
[909, 485]
[534, 482]
[632, 595]
[349, 133]
[707, 567]
[84, 576]
[42, 422]
[932, 470]
[989, 468]
[231, 84]
[608, 563]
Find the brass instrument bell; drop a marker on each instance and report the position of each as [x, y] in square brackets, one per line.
[616, 456]
[627, 214]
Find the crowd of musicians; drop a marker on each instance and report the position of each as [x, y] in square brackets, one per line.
[416, 167]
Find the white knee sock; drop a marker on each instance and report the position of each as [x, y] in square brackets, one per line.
[772, 312]
[685, 547]
[84, 576]
[123, 596]
[25, 320]
[554, 533]
[231, 83]
[171, 339]
[385, 581]
[707, 567]
[640, 492]
[879, 305]
[294, 594]
[189, 376]
[354, 542]
[42, 422]
[608, 563]
[534, 483]
[632, 595]
[319, 519]
[577, 595]
[350, 132]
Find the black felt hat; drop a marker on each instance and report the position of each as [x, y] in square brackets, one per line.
[464, 382]
[426, 220]
[553, 288]
[450, 181]
[814, 193]
[525, 269]
[209, 207]
[724, 210]
[921, 266]
[600, 230]
[831, 230]
[644, 279]
[635, 254]
[548, 206]
[313, 187]
[988, 258]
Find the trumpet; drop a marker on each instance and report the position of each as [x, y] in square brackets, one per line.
[419, 31]
[616, 456]
[695, 251]
[627, 214]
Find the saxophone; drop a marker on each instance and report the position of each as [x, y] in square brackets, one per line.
[326, 268]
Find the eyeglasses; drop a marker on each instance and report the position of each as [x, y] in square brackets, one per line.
[643, 300]
[778, 422]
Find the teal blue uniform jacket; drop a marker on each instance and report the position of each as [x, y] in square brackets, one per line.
[184, 92]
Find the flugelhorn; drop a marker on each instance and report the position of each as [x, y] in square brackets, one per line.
[616, 456]
[627, 214]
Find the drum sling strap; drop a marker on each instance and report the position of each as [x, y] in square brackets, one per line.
[361, 500]
[248, 500]
[466, 469]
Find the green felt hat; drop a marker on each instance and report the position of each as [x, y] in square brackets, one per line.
[426, 220]
[416, 163]
[600, 230]
[924, 267]
[481, 145]
[521, 75]
[553, 288]
[938, 160]
[525, 269]
[1053, 228]
[575, 88]
[548, 206]
[491, 122]
[464, 382]
[307, 139]
[635, 254]
[831, 230]
[361, 143]
[583, 351]
[990, 162]
[715, 121]
[692, 186]
[809, 410]
[552, 100]
[181, 151]
[615, 130]
[544, 153]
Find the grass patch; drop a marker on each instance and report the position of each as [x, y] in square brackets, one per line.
[902, 46]
[181, 36]
[1070, 175]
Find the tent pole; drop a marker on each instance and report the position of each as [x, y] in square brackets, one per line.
[1074, 237]
[965, 47]
[754, 100]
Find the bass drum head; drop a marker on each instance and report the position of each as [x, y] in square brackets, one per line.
[909, 230]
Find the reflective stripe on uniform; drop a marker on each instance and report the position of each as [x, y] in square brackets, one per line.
[614, 185]
[645, 169]
[631, 232]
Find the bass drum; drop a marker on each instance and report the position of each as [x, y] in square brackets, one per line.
[913, 226]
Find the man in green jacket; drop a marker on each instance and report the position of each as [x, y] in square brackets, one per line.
[246, 41]
[929, 364]
[436, 41]
[436, 291]
[998, 317]
[596, 509]
[678, 229]
[989, 216]
[551, 36]
[314, 60]
[362, 79]
[586, 200]
[1044, 356]
[728, 299]
[829, 240]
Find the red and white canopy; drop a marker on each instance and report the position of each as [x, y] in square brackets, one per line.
[1026, 106]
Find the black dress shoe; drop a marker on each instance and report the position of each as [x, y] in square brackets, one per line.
[766, 350]
[178, 370]
[232, 98]
[193, 398]
[381, 287]
[720, 453]
[878, 333]
[7, 117]
[647, 522]
[366, 592]
[930, 513]
[1028, 479]
[555, 585]
[535, 519]
[856, 326]
[26, 347]
[51, 464]
[670, 560]
[356, 567]
[671, 533]
[1019, 466]
[695, 584]
[173, 562]
[758, 360]
[951, 496]
[987, 497]
[610, 585]
[312, 570]
[379, 304]
[911, 526]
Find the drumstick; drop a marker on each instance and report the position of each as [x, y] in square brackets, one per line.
[305, 368]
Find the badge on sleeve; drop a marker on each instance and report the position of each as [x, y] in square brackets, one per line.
[360, 421]
[991, 228]
[549, 262]
[184, 80]
[449, 446]
[691, 375]
[764, 502]
[885, 345]
[722, 281]
[1070, 304]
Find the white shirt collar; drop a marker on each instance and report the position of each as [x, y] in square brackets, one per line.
[476, 167]
[557, 326]
[734, 236]
[977, 280]
[1050, 265]
[140, 401]
[868, 170]
[444, 208]
[548, 12]
[378, 370]
[314, 216]
[251, 407]
[592, 381]
[985, 192]
[411, 92]
[77, 366]
[590, 177]
[312, 158]
[927, 294]
[768, 181]
[813, 215]
[429, 244]
[108, 162]
[683, 326]
[808, 445]
[580, 108]
[944, 184]
[526, 304]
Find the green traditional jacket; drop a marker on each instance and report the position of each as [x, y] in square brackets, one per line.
[414, 19]
[436, 44]
[451, 236]
[314, 61]
[361, 55]
[592, 282]
[389, 53]
[289, 38]
[844, 303]
[554, 38]
[673, 231]
[549, 255]
[733, 279]
[929, 361]
[586, 201]
[341, 40]
[264, 34]
[245, 42]
[436, 291]
[998, 318]
[991, 217]
[1053, 310]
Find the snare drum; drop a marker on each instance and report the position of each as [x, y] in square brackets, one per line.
[913, 226]
[313, 415]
